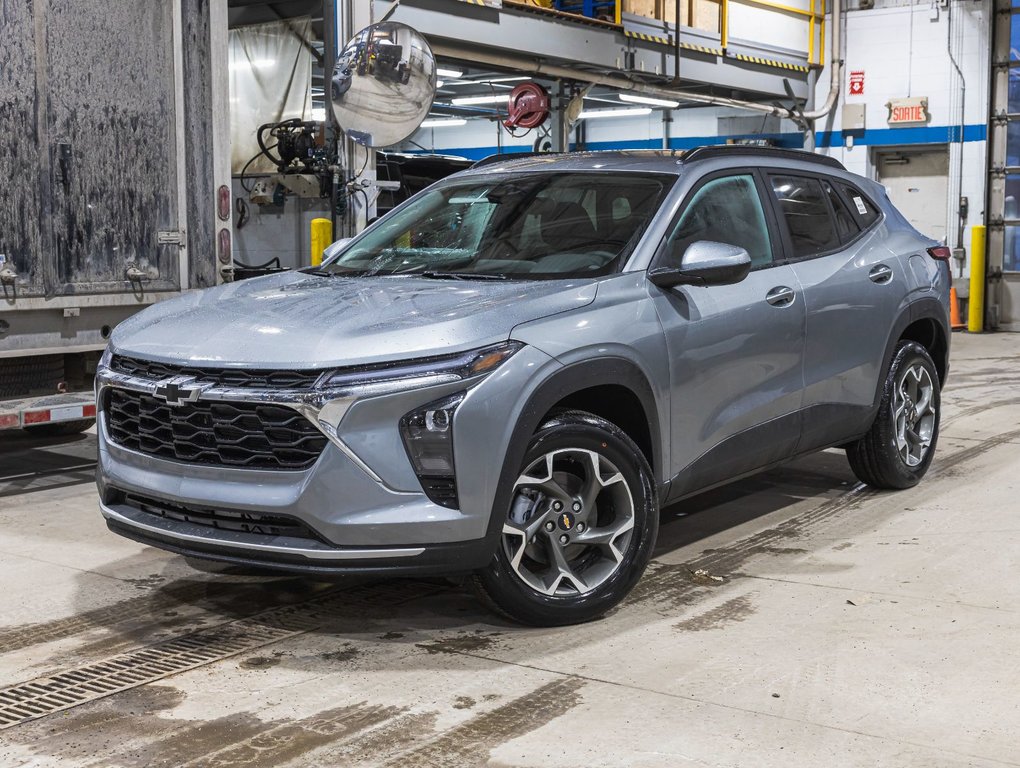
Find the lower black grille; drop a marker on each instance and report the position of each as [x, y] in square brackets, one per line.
[249, 435]
[255, 523]
[441, 490]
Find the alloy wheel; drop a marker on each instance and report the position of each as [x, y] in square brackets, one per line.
[914, 414]
[570, 522]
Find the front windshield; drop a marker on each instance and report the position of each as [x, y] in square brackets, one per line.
[522, 226]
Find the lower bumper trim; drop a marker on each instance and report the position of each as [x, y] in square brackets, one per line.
[125, 519]
[436, 560]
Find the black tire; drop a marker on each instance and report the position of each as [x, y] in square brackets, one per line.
[875, 458]
[60, 428]
[501, 587]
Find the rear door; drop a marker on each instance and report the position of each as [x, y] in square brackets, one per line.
[112, 145]
[854, 288]
[735, 350]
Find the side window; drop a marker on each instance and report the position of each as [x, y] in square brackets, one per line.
[863, 210]
[802, 203]
[846, 226]
[726, 210]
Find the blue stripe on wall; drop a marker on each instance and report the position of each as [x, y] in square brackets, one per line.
[923, 134]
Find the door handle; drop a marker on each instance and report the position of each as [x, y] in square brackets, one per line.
[880, 274]
[780, 296]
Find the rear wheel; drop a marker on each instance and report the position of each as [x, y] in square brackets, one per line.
[60, 428]
[581, 525]
[900, 445]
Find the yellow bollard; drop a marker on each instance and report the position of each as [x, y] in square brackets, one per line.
[976, 308]
[322, 236]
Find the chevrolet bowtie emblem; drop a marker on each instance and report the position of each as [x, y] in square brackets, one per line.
[179, 390]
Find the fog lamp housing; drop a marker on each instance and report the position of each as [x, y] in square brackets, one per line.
[428, 438]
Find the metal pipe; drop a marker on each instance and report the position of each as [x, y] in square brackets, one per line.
[836, 74]
[960, 223]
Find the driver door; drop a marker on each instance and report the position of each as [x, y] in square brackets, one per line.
[735, 351]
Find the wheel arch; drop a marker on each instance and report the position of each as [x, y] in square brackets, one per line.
[926, 322]
[621, 392]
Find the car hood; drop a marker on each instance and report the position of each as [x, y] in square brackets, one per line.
[295, 320]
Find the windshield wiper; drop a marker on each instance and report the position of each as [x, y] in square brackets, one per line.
[457, 275]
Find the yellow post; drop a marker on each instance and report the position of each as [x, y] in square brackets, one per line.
[976, 307]
[724, 31]
[619, 12]
[821, 36]
[322, 235]
[811, 36]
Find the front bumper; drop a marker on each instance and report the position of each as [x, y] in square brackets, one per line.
[360, 497]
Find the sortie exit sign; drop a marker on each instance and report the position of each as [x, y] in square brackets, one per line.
[912, 110]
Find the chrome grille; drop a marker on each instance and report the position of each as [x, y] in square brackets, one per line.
[249, 435]
[219, 377]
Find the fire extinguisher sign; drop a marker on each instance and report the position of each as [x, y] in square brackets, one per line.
[857, 82]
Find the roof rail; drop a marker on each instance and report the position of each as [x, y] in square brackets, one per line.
[746, 150]
[504, 156]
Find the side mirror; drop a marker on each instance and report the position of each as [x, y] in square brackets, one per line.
[705, 263]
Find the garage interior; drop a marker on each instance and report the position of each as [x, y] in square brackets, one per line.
[793, 617]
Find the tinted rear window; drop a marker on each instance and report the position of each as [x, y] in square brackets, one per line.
[846, 224]
[802, 203]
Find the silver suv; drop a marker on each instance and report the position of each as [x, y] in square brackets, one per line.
[509, 374]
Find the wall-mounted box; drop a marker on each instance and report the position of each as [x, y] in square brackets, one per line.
[853, 117]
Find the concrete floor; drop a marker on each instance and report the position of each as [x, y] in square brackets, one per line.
[795, 619]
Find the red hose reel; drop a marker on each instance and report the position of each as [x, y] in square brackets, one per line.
[528, 106]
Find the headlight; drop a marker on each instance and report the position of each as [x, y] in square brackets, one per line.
[104, 360]
[429, 370]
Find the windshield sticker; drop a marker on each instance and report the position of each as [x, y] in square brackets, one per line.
[861, 207]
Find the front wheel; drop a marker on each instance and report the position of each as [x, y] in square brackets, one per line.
[900, 445]
[581, 525]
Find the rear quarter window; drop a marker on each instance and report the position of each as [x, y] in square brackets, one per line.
[864, 211]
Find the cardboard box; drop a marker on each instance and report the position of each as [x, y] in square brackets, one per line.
[700, 14]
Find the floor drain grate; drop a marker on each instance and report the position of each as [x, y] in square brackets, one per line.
[47, 695]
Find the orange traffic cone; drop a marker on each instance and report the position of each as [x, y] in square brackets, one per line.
[954, 312]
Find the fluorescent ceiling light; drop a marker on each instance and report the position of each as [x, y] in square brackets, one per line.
[630, 97]
[443, 122]
[467, 101]
[453, 73]
[593, 113]
[503, 80]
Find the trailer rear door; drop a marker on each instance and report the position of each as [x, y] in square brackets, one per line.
[89, 139]
[112, 144]
[22, 170]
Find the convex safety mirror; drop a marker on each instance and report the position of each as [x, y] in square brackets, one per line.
[705, 263]
[383, 84]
